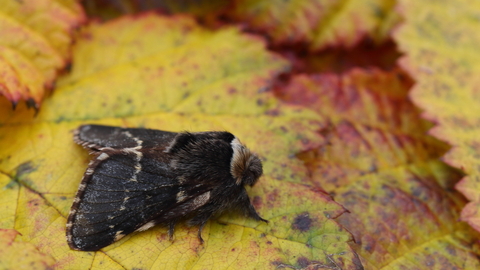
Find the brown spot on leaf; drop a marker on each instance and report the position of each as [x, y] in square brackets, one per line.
[302, 222]
[272, 196]
[303, 262]
[276, 263]
[162, 237]
[273, 112]
[451, 250]
[87, 36]
[33, 202]
[257, 201]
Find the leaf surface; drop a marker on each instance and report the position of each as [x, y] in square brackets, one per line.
[170, 74]
[11, 252]
[444, 61]
[319, 23]
[379, 164]
[35, 43]
[316, 24]
[206, 10]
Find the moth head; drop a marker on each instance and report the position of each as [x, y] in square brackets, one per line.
[245, 166]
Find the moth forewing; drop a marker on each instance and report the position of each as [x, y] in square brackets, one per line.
[139, 178]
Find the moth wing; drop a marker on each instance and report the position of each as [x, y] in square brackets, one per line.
[98, 136]
[117, 197]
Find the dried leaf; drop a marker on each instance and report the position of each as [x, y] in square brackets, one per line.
[35, 43]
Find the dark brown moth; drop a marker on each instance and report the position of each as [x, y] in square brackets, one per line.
[139, 178]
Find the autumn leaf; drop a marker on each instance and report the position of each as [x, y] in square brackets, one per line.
[377, 162]
[11, 252]
[444, 61]
[168, 73]
[352, 177]
[319, 23]
[206, 10]
[35, 43]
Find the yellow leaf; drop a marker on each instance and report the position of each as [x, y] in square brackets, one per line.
[319, 23]
[168, 73]
[18, 255]
[8, 189]
[444, 61]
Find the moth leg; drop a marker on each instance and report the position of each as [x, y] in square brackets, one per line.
[200, 220]
[171, 229]
[200, 232]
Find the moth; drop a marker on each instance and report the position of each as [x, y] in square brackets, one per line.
[139, 178]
